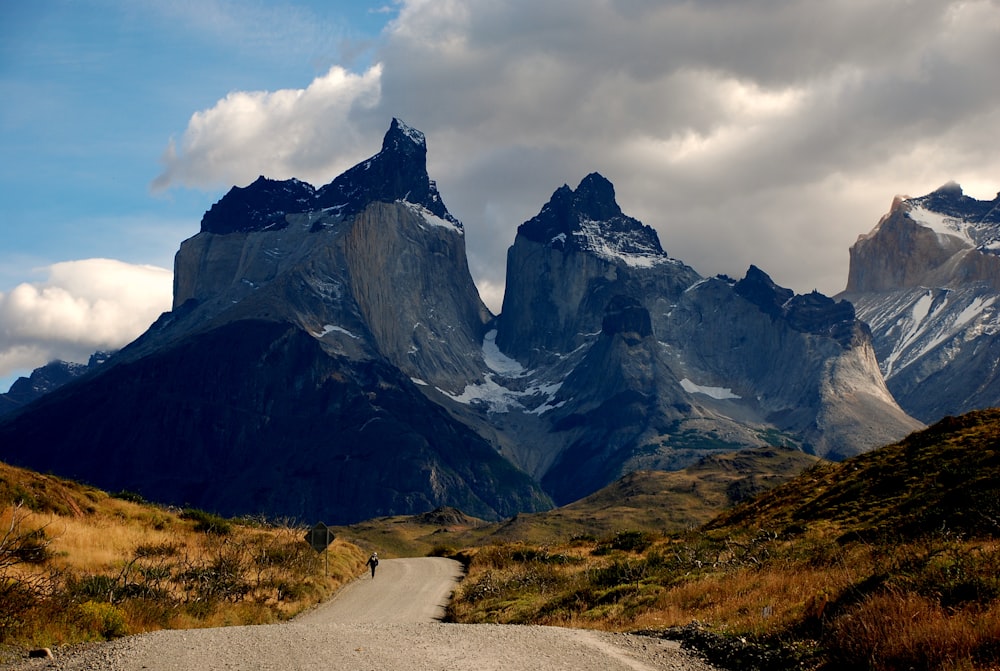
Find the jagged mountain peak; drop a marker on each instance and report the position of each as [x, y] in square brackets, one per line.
[950, 199]
[595, 198]
[948, 211]
[261, 205]
[758, 288]
[397, 173]
[403, 138]
[925, 280]
[812, 313]
[944, 238]
[590, 219]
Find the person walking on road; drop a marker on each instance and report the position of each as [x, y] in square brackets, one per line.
[373, 562]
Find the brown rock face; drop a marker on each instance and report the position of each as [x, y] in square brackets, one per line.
[902, 253]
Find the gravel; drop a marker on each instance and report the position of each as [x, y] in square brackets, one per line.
[383, 623]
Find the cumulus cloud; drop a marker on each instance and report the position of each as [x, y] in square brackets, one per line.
[305, 133]
[81, 307]
[770, 132]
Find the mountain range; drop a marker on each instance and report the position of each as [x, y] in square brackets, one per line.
[327, 356]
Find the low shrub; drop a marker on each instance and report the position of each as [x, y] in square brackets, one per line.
[208, 522]
[132, 497]
[626, 541]
[103, 619]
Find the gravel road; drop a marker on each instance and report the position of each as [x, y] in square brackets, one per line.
[386, 623]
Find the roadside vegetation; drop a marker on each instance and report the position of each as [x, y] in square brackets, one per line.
[888, 561]
[79, 565]
[761, 560]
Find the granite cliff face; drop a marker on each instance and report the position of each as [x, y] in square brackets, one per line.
[649, 365]
[328, 357]
[927, 280]
[372, 264]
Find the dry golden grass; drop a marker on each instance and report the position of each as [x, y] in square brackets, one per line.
[906, 630]
[83, 565]
[924, 604]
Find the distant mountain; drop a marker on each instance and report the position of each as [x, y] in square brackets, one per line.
[927, 281]
[45, 379]
[327, 356]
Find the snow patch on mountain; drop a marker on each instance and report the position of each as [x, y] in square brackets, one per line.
[330, 328]
[618, 246]
[498, 399]
[550, 391]
[432, 219]
[535, 398]
[974, 310]
[496, 360]
[914, 324]
[416, 136]
[914, 327]
[718, 393]
[941, 224]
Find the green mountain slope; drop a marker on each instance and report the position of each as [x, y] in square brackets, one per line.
[946, 477]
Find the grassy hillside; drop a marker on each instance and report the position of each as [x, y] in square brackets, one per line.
[943, 478]
[887, 561]
[78, 564]
[648, 501]
[663, 501]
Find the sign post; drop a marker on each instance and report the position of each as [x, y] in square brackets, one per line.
[319, 538]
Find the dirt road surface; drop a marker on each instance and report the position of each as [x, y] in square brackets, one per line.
[386, 623]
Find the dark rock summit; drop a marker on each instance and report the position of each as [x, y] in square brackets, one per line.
[259, 206]
[566, 265]
[758, 288]
[590, 219]
[950, 200]
[397, 173]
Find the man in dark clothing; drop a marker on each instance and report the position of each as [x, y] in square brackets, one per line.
[373, 562]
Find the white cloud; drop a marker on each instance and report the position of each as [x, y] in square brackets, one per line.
[81, 307]
[305, 133]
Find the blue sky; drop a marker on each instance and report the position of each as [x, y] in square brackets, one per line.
[95, 89]
[771, 132]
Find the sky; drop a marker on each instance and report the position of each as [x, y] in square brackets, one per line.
[764, 132]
